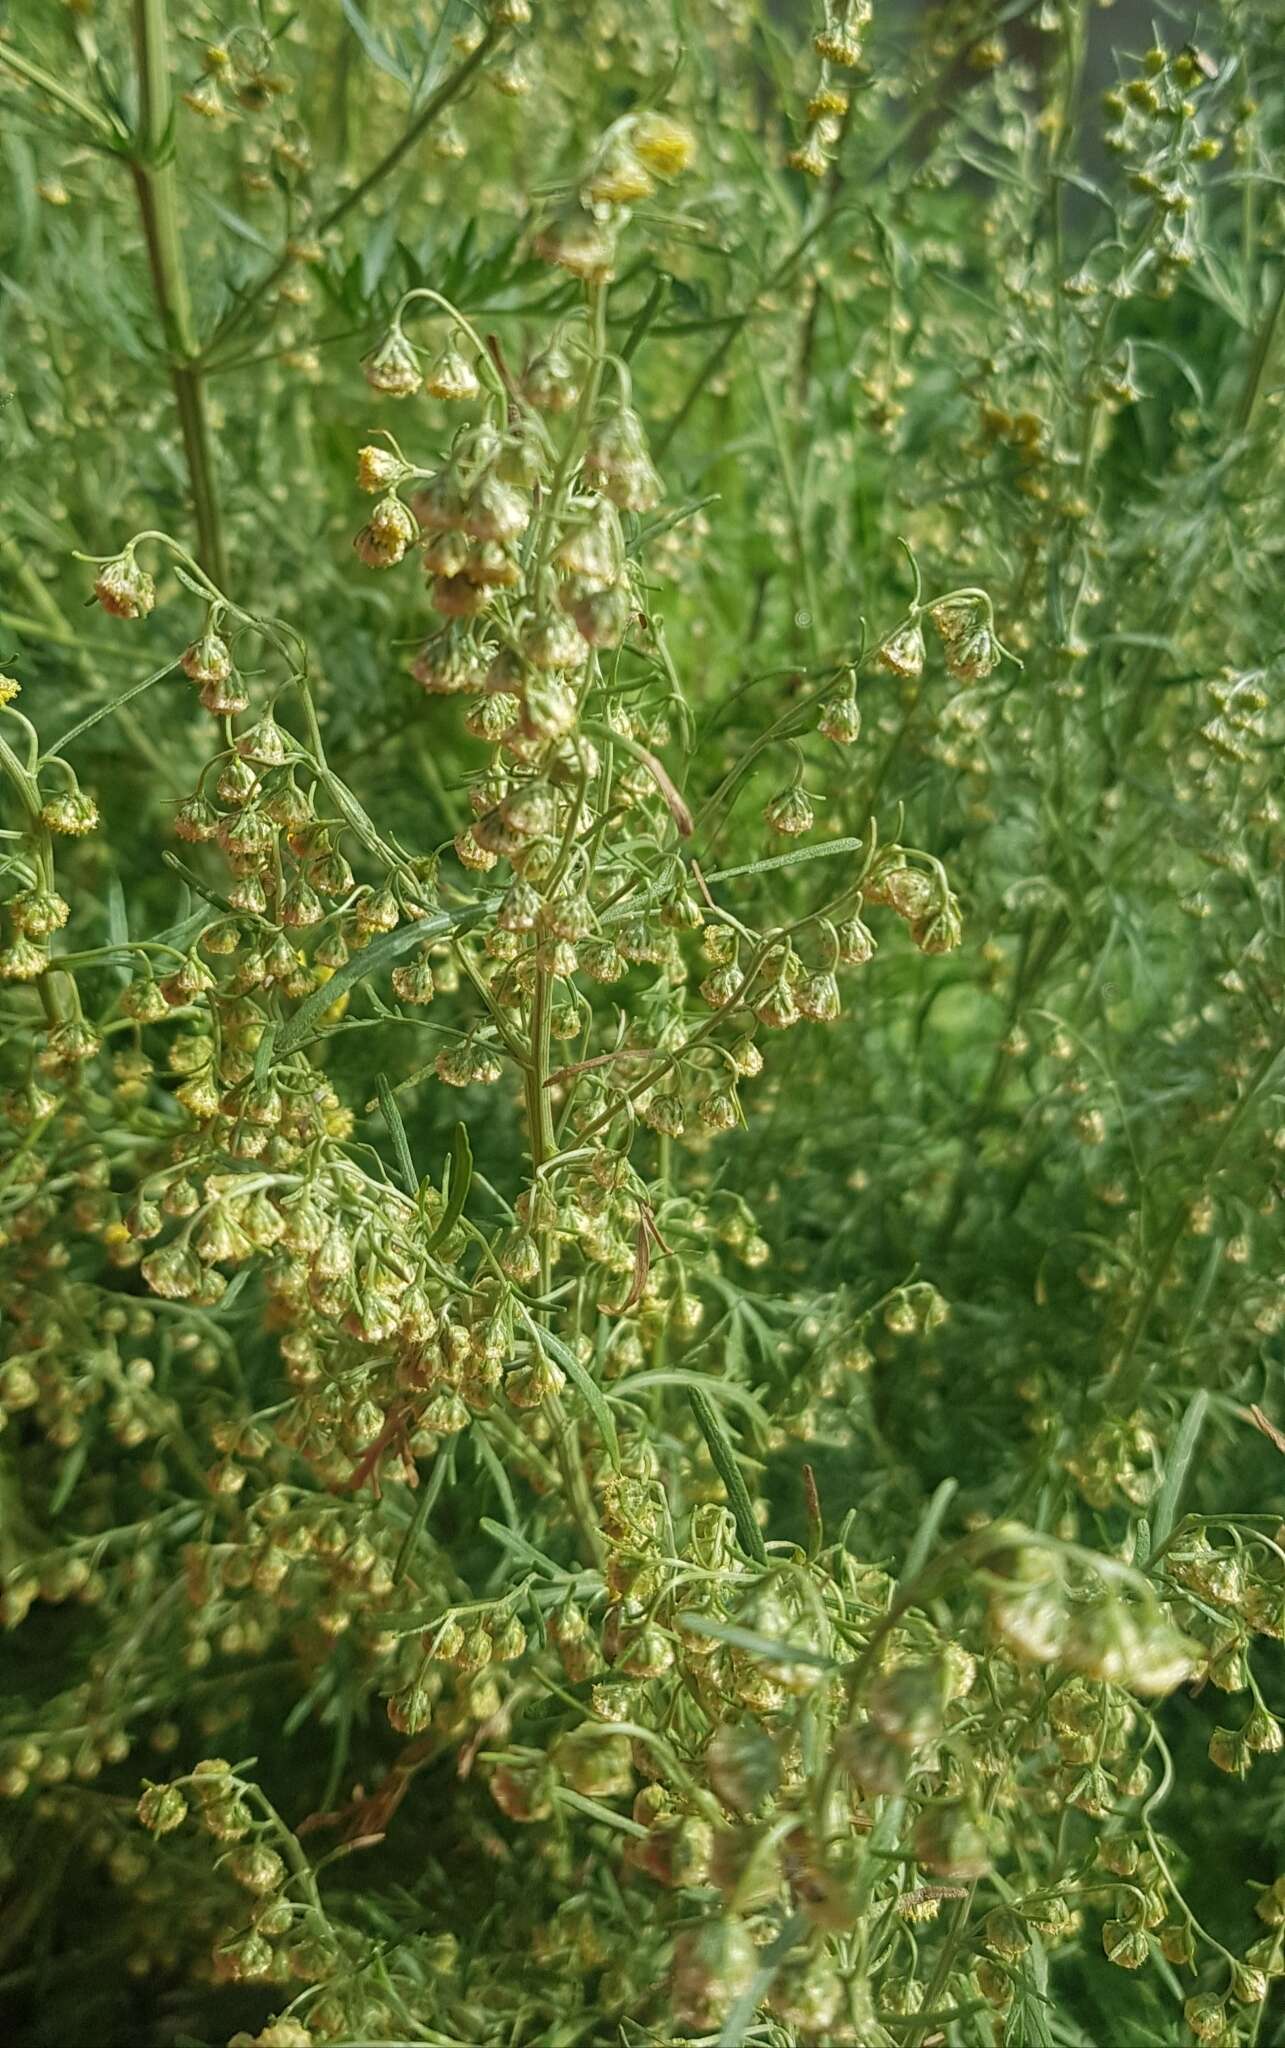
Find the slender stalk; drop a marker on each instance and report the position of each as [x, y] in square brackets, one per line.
[157, 190]
[53, 626]
[539, 1106]
[794, 502]
[1260, 357]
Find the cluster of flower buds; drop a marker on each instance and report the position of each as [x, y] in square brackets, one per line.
[237, 76]
[1162, 139]
[582, 234]
[838, 43]
[1043, 1618]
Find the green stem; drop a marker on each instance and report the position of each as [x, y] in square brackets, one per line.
[794, 501]
[1259, 360]
[157, 191]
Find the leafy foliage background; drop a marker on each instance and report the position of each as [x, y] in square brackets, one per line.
[1069, 1130]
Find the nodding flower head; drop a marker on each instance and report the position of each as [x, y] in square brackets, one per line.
[124, 589]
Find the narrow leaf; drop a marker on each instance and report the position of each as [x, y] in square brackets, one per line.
[1177, 1467]
[397, 1132]
[714, 1390]
[379, 55]
[263, 1054]
[485, 1454]
[926, 1534]
[428, 1492]
[825, 851]
[585, 1385]
[714, 1431]
[371, 959]
[509, 1539]
[459, 1178]
[106, 710]
[749, 1639]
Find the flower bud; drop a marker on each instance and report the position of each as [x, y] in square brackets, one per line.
[452, 377]
[713, 1966]
[246, 1960]
[207, 660]
[818, 997]
[677, 1850]
[528, 1386]
[1229, 1751]
[840, 718]
[950, 1842]
[162, 1808]
[789, 812]
[1127, 1947]
[394, 367]
[594, 1761]
[257, 1867]
[902, 654]
[549, 381]
[70, 812]
[742, 1765]
[523, 1792]
[666, 146]
[387, 534]
[972, 658]
[378, 469]
[124, 589]
[1206, 2015]
[576, 241]
[24, 960]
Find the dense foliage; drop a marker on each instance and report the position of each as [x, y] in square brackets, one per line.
[644, 1114]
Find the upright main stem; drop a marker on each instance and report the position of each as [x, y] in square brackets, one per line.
[157, 189]
[539, 1105]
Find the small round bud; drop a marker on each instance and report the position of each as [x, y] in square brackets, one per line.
[394, 367]
[903, 653]
[378, 469]
[257, 1867]
[123, 589]
[71, 813]
[1229, 1751]
[387, 534]
[1125, 1946]
[1206, 2015]
[666, 146]
[451, 376]
[789, 812]
[162, 1808]
[207, 660]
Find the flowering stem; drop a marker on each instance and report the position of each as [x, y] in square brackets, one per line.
[155, 185]
[58, 993]
[485, 360]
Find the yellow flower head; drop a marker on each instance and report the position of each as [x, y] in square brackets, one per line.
[664, 145]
